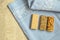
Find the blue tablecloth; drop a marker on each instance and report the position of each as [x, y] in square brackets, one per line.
[22, 13]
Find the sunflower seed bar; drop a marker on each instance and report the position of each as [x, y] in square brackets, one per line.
[43, 22]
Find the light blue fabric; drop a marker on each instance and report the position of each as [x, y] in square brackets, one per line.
[23, 14]
[52, 5]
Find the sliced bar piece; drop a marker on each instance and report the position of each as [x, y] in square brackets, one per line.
[43, 22]
[34, 23]
[50, 25]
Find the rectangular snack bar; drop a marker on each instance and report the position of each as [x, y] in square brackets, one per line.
[43, 22]
[50, 25]
[34, 23]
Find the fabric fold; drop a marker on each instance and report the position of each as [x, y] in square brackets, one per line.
[49, 5]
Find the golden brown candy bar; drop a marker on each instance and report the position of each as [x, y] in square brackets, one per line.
[34, 23]
[50, 25]
[43, 22]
